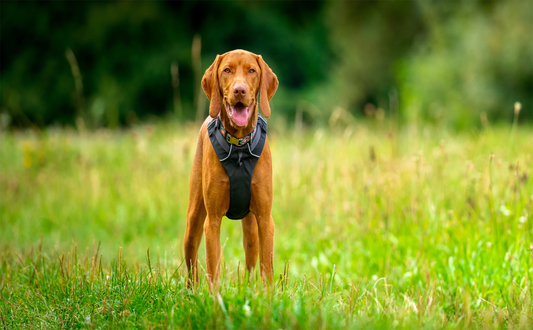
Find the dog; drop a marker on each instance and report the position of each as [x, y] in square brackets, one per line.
[234, 132]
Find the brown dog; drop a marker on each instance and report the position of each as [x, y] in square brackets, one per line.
[233, 84]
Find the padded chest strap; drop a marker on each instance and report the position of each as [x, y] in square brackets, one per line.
[239, 163]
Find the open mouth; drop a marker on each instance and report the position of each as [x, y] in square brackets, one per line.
[238, 113]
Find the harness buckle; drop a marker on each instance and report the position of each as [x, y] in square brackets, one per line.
[233, 140]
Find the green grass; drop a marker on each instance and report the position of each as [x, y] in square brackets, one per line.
[417, 229]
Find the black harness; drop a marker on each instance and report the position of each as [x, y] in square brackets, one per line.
[239, 163]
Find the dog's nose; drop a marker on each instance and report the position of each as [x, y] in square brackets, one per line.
[239, 90]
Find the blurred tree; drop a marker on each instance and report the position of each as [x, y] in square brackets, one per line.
[124, 51]
[369, 39]
[477, 58]
[446, 61]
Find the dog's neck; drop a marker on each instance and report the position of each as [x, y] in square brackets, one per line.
[239, 132]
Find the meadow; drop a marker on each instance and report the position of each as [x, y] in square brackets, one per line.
[376, 227]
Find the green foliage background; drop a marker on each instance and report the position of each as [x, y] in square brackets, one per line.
[437, 61]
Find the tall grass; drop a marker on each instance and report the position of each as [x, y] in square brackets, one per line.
[423, 228]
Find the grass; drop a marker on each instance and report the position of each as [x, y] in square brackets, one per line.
[423, 228]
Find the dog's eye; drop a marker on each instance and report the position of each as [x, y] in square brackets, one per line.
[251, 70]
[227, 70]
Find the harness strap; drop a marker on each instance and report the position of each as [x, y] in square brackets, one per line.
[257, 136]
[226, 146]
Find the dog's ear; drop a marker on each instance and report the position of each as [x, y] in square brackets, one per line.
[211, 87]
[269, 85]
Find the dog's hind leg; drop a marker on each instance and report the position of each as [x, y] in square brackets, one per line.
[250, 241]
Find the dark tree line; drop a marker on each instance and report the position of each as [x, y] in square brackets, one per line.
[118, 63]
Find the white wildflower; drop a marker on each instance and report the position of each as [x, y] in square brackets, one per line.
[505, 211]
[246, 308]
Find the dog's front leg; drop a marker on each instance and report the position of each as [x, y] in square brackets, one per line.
[266, 227]
[250, 241]
[212, 249]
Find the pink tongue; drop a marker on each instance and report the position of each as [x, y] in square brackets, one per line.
[240, 116]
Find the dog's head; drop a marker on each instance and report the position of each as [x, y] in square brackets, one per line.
[234, 81]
